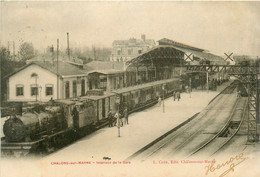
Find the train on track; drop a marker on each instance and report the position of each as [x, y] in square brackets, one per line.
[43, 128]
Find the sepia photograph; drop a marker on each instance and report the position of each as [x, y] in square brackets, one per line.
[130, 88]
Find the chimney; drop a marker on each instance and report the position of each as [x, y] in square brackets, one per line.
[68, 45]
[143, 37]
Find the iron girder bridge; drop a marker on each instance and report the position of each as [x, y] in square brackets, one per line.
[248, 75]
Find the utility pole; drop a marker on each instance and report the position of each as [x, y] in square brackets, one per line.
[94, 52]
[68, 44]
[57, 68]
[36, 88]
[207, 82]
[8, 49]
[190, 87]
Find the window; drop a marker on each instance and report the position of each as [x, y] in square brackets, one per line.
[19, 90]
[118, 52]
[67, 89]
[49, 89]
[74, 88]
[130, 51]
[34, 90]
[82, 87]
[103, 83]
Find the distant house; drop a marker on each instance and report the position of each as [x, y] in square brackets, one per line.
[125, 50]
[41, 81]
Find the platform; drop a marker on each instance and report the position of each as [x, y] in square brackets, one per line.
[144, 127]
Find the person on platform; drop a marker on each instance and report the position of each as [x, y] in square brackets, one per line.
[118, 121]
[159, 101]
[178, 95]
[126, 116]
[174, 95]
[75, 114]
[110, 118]
[187, 89]
[238, 93]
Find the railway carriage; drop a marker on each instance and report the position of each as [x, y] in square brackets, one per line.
[49, 126]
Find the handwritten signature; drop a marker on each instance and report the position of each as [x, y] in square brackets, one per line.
[231, 163]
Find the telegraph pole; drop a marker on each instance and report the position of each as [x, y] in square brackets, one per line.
[207, 82]
[190, 87]
[14, 50]
[57, 68]
[8, 49]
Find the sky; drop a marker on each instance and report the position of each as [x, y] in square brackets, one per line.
[215, 26]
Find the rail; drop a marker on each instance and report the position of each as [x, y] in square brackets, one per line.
[220, 132]
[171, 138]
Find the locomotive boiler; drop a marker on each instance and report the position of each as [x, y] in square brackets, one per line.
[49, 126]
[31, 125]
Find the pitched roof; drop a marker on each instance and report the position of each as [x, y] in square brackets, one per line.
[134, 41]
[104, 67]
[65, 69]
[166, 41]
[202, 55]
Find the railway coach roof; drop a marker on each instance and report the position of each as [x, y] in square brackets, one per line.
[97, 97]
[143, 86]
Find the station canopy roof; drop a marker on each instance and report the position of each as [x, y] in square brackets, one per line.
[164, 55]
[202, 55]
[159, 56]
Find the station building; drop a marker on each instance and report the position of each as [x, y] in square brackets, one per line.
[42, 81]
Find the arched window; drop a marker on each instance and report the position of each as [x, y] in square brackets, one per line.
[34, 75]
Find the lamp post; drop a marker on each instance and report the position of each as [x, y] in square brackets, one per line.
[163, 87]
[118, 103]
[207, 82]
[40, 98]
[35, 76]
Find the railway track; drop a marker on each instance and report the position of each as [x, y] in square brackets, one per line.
[207, 134]
[215, 144]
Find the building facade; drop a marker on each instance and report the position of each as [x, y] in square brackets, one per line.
[42, 81]
[125, 50]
